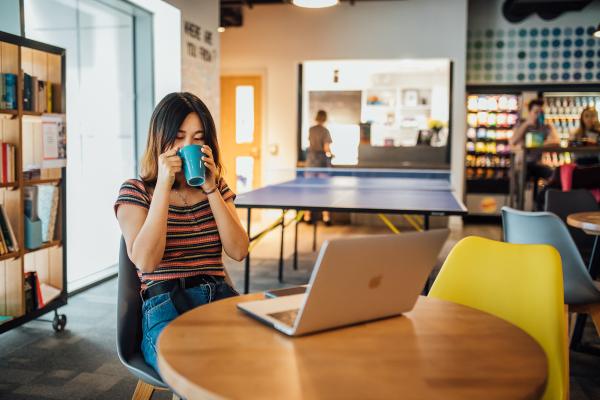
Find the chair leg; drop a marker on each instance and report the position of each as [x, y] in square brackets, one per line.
[572, 317]
[143, 391]
[594, 312]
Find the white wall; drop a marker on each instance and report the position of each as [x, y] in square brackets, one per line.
[201, 75]
[166, 46]
[276, 38]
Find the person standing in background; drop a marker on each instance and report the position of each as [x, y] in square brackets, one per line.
[535, 124]
[319, 150]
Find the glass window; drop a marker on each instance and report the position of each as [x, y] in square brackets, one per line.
[10, 16]
[244, 114]
[101, 120]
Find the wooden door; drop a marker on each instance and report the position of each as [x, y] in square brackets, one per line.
[241, 131]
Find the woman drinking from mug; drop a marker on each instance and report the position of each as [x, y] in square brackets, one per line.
[174, 232]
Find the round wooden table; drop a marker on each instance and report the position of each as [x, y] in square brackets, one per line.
[439, 350]
[589, 222]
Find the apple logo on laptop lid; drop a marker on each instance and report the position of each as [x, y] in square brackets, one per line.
[375, 281]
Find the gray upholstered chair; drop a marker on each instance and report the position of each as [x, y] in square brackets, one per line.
[581, 293]
[129, 329]
[574, 201]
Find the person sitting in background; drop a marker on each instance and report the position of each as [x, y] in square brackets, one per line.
[588, 133]
[589, 127]
[534, 124]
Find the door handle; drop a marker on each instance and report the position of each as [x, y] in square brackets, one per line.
[254, 152]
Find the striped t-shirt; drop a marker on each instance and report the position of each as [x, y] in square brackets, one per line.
[193, 244]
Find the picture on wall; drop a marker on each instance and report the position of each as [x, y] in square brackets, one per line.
[410, 97]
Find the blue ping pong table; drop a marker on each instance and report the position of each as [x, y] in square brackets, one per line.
[376, 191]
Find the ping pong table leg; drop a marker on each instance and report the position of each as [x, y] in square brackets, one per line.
[315, 235]
[281, 246]
[247, 267]
[428, 281]
[296, 242]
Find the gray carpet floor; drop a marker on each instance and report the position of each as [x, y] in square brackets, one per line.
[81, 363]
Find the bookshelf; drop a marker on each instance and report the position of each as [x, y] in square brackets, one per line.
[24, 127]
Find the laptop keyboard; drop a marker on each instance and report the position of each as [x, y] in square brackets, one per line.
[287, 317]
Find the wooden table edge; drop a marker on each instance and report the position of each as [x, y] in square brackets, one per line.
[179, 384]
[587, 227]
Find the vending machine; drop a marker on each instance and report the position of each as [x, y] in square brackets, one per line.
[491, 118]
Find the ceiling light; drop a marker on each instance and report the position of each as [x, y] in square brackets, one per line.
[597, 33]
[220, 29]
[315, 3]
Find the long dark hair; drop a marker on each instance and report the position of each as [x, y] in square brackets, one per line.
[166, 120]
[581, 129]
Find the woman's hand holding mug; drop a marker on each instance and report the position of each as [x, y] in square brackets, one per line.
[169, 164]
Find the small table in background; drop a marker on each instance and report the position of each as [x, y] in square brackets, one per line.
[589, 222]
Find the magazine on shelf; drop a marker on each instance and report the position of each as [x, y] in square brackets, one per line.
[54, 141]
[47, 203]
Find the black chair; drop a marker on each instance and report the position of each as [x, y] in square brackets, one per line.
[574, 201]
[129, 330]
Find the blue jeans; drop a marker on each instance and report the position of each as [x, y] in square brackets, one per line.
[159, 310]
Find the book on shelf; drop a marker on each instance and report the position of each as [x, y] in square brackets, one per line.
[33, 292]
[8, 231]
[46, 97]
[32, 174]
[30, 194]
[34, 97]
[7, 163]
[47, 201]
[56, 98]
[8, 91]
[27, 92]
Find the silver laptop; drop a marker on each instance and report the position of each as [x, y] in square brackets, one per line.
[355, 280]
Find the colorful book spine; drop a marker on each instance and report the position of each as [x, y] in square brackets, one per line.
[10, 91]
[4, 162]
[27, 92]
[7, 230]
[49, 97]
[2, 93]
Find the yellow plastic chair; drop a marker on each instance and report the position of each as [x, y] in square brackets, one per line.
[520, 283]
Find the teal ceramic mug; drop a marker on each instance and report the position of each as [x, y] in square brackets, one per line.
[193, 166]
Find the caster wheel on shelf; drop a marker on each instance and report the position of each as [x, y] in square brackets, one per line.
[59, 322]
